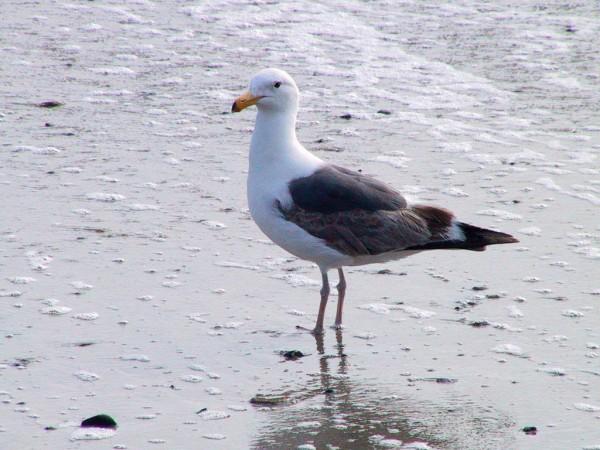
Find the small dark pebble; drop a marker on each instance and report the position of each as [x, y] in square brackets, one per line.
[292, 355]
[479, 323]
[530, 430]
[50, 104]
[440, 380]
[328, 391]
[172, 386]
[266, 400]
[346, 116]
[21, 362]
[201, 410]
[48, 124]
[389, 272]
[51, 172]
[479, 288]
[463, 304]
[446, 380]
[570, 29]
[492, 296]
[83, 344]
[95, 230]
[516, 201]
[50, 428]
[99, 421]
[332, 148]
[385, 112]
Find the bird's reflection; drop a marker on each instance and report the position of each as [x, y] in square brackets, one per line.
[332, 409]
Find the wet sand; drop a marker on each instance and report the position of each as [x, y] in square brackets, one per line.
[134, 283]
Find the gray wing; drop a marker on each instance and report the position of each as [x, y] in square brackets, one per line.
[358, 215]
[334, 189]
[362, 232]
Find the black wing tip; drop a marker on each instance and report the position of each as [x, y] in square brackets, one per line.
[475, 239]
[482, 236]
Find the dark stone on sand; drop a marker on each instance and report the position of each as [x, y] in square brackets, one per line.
[445, 380]
[50, 104]
[267, 400]
[570, 29]
[21, 363]
[385, 112]
[346, 116]
[292, 355]
[530, 430]
[479, 288]
[440, 380]
[328, 391]
[201, 410]
[100, 421]
[50, 428]
[464, 304]
[389, 272]
[479, 323]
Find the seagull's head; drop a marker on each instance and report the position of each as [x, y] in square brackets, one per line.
[270, 90]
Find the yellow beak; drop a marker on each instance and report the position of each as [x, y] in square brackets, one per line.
[243, 101]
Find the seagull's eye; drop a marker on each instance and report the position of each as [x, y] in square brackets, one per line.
[277, 84]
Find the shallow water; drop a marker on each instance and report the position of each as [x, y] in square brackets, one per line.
[133, 282]
[345, 405]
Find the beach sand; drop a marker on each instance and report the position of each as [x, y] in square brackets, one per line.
[134, 283]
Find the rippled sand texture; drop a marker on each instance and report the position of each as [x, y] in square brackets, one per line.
[133, 282]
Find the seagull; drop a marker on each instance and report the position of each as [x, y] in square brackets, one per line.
[330, 215]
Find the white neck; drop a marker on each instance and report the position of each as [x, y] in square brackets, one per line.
[276, 156]
[274, 136]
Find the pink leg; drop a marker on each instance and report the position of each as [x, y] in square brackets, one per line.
[341, 288]
[324, 296]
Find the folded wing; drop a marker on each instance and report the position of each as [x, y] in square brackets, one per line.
[358, 216]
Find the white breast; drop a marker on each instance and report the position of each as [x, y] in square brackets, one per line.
[267, 187]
